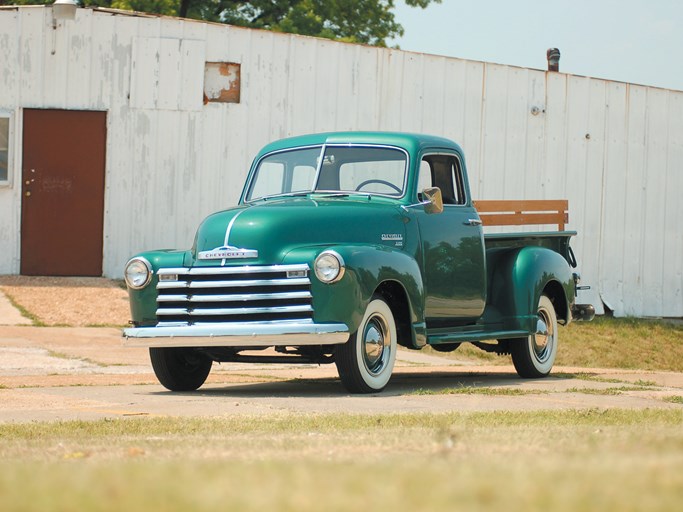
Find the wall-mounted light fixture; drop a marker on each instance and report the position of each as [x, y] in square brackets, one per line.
[63, 10]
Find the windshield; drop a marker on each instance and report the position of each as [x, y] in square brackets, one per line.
[342, 169]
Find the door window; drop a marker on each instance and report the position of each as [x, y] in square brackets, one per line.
[443, 171]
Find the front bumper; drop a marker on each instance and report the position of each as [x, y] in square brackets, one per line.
[248, 334]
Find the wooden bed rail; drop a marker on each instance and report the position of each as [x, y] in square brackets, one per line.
[519, 213]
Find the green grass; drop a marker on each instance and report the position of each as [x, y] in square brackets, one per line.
[674, 399]
[61, 355]
[624, 343]
[592, 459]
[606, 391]
[474, 390]
[587, 376]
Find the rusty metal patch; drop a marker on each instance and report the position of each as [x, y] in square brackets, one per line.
[222, 82]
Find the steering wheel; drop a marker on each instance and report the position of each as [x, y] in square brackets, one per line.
[381, 182]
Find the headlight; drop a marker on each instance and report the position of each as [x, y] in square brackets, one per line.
[329, 267]
[138, 273]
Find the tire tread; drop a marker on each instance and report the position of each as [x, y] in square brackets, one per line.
[173, 374]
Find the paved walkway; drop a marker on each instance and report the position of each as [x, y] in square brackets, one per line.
[67, 373]
[9, 315]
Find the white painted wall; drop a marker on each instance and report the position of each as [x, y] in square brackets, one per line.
[613, 149]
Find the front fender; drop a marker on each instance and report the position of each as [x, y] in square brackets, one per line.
[143, 303]
[367, 267]
[521, 276]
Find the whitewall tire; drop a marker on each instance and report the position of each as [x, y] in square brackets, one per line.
[534, 356]
[366, 361]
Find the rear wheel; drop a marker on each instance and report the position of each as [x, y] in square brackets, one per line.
[366, 361]
[180, 369]
[534, 355]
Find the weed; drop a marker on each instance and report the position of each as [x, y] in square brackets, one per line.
[605, 391]
[473, 390]
[36, 322]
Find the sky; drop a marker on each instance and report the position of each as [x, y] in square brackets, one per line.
[634, 41]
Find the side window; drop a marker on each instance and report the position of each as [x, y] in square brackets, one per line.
[424, 179]
[4, 148]
[445, 172]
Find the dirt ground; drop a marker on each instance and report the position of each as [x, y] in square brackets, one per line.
[78, 372]
[69, 301]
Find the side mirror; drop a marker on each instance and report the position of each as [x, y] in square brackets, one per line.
[433, 201]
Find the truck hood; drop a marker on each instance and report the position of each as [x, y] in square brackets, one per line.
[274, 228]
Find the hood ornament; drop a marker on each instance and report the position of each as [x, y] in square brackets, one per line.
[227, 252]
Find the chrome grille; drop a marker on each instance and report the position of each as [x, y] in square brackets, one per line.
[209, 295]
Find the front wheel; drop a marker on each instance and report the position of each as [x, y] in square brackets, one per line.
[180, 369]
[366, 361]
[534, 355]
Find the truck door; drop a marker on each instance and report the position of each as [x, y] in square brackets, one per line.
[453, 261]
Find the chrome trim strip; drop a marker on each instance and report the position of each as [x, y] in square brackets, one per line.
[250, 297]
[230, 225]
[170, 285]
[172, 311]
[253, 282]
[250, 269]
[232, 311]
[173, 298]
[258, 334]
[234, 298]
[319, 167]
[203, 285]
[219, 325]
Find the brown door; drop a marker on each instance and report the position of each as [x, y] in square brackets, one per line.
[62, 207]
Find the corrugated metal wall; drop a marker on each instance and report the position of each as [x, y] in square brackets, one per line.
[613, 149]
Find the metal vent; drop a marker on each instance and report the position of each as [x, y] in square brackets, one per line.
[210, 295]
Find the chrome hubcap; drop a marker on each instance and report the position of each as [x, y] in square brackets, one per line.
[544, 338]
[376, 344]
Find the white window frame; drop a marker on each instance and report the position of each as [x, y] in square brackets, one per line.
[7, 182]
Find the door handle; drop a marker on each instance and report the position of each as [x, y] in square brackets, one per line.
[472, 222]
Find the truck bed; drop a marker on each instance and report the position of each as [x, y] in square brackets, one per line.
[524, 213]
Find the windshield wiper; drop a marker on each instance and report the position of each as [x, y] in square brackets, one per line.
[333, 194]
[281, 196]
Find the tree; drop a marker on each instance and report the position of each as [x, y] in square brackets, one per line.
[358, 21]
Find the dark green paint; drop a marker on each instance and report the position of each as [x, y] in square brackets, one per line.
[143, 302]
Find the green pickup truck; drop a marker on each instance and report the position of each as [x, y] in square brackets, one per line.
[344, 246]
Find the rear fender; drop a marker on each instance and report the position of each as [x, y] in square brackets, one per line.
[519, 279]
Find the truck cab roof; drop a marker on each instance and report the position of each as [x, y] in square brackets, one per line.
[413, 143]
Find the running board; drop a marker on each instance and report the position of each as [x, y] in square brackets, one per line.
[441, 337]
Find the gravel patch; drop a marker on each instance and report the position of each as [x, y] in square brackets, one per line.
[69, 301]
